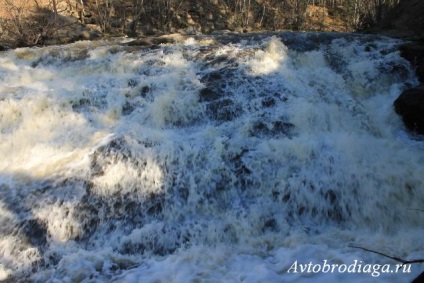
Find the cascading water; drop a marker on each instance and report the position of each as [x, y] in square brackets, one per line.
[216, 159]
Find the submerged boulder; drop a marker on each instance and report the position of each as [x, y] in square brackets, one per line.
[4, 46]
[410, 106]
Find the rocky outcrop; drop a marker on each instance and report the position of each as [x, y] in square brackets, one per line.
[406, 20]
[4, 46]
[152, 41]
[414, 53]
[410, 106]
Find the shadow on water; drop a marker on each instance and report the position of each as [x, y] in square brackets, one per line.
[41, 215]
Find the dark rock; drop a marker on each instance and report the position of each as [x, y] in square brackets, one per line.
[163, 40]
[268, 102]
[405, 20]
[141, 42]
[414, 53]
[224, 110]
[208, 94]
[331, 196]
[127, 109]
[149, 41]
[132, 83]
[95, 35]
[212, 77]
[274, 129]
[270, 225]
[144, 91]
[419, 279]
[3, 47]
[410, 106]
[36, 231]
[214, 60]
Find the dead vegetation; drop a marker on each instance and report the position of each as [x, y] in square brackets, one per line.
[33, 22]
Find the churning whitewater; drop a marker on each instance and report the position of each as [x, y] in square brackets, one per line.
[219, 158]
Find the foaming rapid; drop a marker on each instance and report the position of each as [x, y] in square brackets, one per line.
[213, 159]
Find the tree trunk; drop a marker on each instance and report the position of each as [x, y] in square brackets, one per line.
[54, 8]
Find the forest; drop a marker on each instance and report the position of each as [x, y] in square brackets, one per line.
[249, 14]
[33, 21]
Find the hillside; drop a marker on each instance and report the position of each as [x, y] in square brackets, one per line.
[406, 20]
[27, 23]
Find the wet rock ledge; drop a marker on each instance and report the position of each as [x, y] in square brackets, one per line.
[414, 53]
[410, 106]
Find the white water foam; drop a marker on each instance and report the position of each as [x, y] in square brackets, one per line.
[209, 160]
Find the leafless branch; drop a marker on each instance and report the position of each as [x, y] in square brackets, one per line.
[398, 259]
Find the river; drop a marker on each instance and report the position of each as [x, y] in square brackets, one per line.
[221, 158]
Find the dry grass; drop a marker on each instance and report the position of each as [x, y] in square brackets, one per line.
[8, 8]
[321, 19]
[30, 22]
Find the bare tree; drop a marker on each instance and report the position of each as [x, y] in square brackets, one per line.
[29, 23]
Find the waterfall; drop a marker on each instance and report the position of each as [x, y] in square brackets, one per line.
[220, 158]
